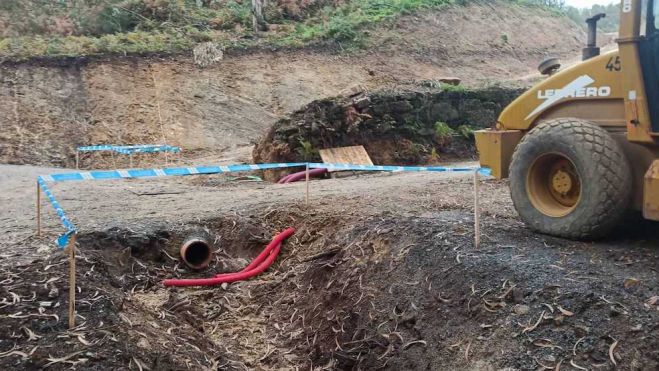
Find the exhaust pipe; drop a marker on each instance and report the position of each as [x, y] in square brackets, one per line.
[591, 49]
[196, 253]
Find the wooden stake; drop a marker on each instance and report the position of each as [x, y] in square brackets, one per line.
[38, 210]
[477, 212]
[72, 281]
[307, 184]
[114, 162]
[77, 160]
[130, 160]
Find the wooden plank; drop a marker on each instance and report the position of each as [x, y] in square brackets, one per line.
[346, 155]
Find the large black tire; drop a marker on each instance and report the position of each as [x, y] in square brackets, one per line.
[603, 174]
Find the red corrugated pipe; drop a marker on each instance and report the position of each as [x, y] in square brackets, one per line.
[256, 267]
[290, 178]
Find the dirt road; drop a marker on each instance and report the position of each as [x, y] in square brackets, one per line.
[381, 272]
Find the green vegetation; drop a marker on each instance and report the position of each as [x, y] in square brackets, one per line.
[610, 23]
[443, 133]
[466, 131]
[38, 28]
[307, 150]
[342, 24]
[454, 88]
[171, 26]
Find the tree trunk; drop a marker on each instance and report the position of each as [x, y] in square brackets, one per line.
[258, 19]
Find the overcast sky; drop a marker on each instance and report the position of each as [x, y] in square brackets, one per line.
[588, 3]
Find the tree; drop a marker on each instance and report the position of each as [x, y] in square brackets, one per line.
[258, 18]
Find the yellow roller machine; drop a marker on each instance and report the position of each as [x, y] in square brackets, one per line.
[582, 146]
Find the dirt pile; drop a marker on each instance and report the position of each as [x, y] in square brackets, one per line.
[412, 127]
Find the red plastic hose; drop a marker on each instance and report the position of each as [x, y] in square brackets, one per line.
[256, 267]
[283, 179]
[278, 240]
[290, 178]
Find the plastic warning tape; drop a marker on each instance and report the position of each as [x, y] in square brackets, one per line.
[105, 147]
[127, 150]
[151, 173]
[62, 240]
[183, 171]
[483, 171]
[198, 170]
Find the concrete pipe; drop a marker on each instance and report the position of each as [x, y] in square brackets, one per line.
[196, 253]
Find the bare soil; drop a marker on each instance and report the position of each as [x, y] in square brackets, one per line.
[46, 110]
[381, 273]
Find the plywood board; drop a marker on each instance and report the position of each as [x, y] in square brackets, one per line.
[355, 155]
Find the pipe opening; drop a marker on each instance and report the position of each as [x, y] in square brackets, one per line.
[196, 253]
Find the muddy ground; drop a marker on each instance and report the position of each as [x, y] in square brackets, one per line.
[381, 273]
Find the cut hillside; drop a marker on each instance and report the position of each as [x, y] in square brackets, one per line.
[48, 107]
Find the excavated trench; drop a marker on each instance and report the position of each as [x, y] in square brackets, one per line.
[364, 291]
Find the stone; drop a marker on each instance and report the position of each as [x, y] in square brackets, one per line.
[521, 309]
[353, 91]
[53, 293]
[455, 81]
[362, 102]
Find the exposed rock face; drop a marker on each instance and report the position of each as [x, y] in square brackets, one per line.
[395, 127]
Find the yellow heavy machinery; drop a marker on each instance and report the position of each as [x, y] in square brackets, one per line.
[582, 146]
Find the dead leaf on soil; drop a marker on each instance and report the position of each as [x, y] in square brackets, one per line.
[533, 327]
[52, 360]
[611, 350]
[565, 312]
[577, 366]
[653, 300]
[631, 282]
[574, 348]
[423, 342]
[545, 343]
[30, 334]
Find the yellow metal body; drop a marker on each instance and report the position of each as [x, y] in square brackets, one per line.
[607, 90]
[651, 192]
[496, 148]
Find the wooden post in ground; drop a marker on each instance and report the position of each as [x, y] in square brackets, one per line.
[38, 210]
[130, 160]
[72, 281]
[77, 159]
[114, 162]
[477, 212]
[306, 198]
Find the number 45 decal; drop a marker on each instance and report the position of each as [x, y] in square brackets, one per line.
[613, 64]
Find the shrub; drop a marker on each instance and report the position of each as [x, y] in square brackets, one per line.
[466, 131]
[443, 134]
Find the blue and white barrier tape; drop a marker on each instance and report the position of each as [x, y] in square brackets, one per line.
[183, 171]
[172, 171]
[483, 171]
[62, 240]
[105, 147]
[127, 150]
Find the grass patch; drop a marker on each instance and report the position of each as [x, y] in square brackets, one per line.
[345, 24]
[175, 26]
